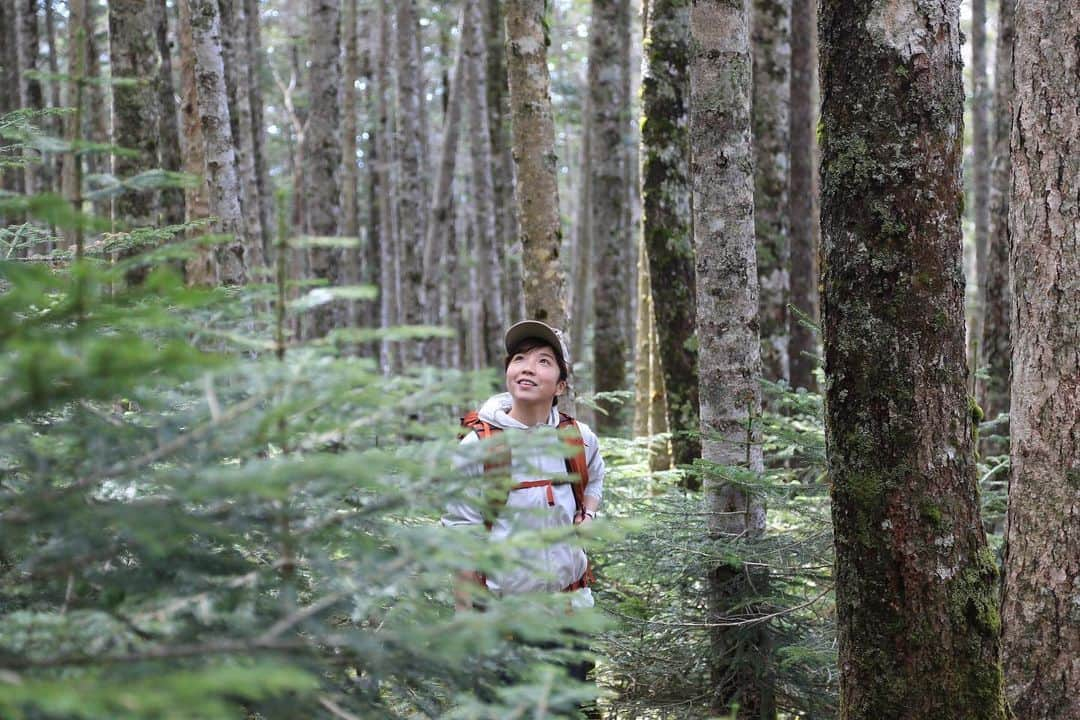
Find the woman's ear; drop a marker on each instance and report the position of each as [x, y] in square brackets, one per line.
[560, 388]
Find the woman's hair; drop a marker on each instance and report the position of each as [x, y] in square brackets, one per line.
[527, 344]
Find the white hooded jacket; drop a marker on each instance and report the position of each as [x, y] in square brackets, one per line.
[553, 567]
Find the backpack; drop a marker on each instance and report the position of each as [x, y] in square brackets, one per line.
[576, 464]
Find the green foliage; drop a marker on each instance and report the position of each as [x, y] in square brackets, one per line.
[655, 578]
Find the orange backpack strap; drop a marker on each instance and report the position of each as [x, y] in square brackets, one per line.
[576, 464]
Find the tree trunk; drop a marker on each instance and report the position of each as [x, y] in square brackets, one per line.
[1042, 559]
[582, 264]
[31, 96]
[996, 292]
[917, 614]
[727, 306]
[608, 197]
[133, 55]
[771, 96]
[440, 225]
[388, 208]
[536, 189]
[503, 169]
[258, 129]
[172, 199]
[413, 193]
[803, 193]
[484, 184]
[350, 206]
[980, 163]
[77, 56]
[322, 153]
[667, 222]
[201, 269]
[223, 186]
[242, 125]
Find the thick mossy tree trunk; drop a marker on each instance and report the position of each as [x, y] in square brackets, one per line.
[730, 355]
[770, 38]
[31, 96]
[133, 56]
[322, 152]
[536, 188]
[666, 216]
[803, 194]
[223, 186]
[608, 198]
[994, 349]
[917, 616]
[1042, 558]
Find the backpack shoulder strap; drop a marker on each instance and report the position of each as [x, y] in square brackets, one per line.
[576, 464]
[483, 429]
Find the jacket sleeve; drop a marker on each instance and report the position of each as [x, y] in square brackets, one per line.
[595, 460]
[461, 512]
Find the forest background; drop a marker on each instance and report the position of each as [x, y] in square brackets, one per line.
[258, 256]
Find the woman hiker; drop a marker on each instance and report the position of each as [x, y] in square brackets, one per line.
[542, 495]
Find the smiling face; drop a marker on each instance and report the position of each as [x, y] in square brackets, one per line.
[533, 376]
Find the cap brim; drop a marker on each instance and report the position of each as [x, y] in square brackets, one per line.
[534, 329]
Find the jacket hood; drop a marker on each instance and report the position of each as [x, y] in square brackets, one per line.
[497, 412]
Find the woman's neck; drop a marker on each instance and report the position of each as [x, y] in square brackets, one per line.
[530, 414]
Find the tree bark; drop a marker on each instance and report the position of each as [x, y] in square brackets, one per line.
[536, 189]
[77, 60]
[241, 123]
[31, 96]
[413, 193]
[917, 615]
[134, 56]
[389, 275]
[727, 307]
[608, 197]
[769, 120]
[350, 205]
[1042, 558]
[803, 193]
[980, 163]
[439, 225]
[996, 293]
[484, 183]
[503, 169]
[170, 158]
[667, 221]
[223, 185]
[258, 128]
[322, 153]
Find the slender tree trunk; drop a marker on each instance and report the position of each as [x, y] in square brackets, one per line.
[241, 123]
[650, 404]
[56, 124]
[980, 162]
[629, 91]
[31, 96]
[223, 185]
[582, 262]
[608, 198]
[133, 55]
[77, 57]
[771, 97]
[11, 178]
[98, 114]
[667, 221]
[484, 183]
[536, 189]
[322, 152]
[172, 199]
[258, 128]
[727, 306]
[803, 193]
[1042, 558]
[503, 169]
[413, 193]
[388, 207]
[439, 225]
[917, 614]
[201, 269]
[996, 292]
[350, 206]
